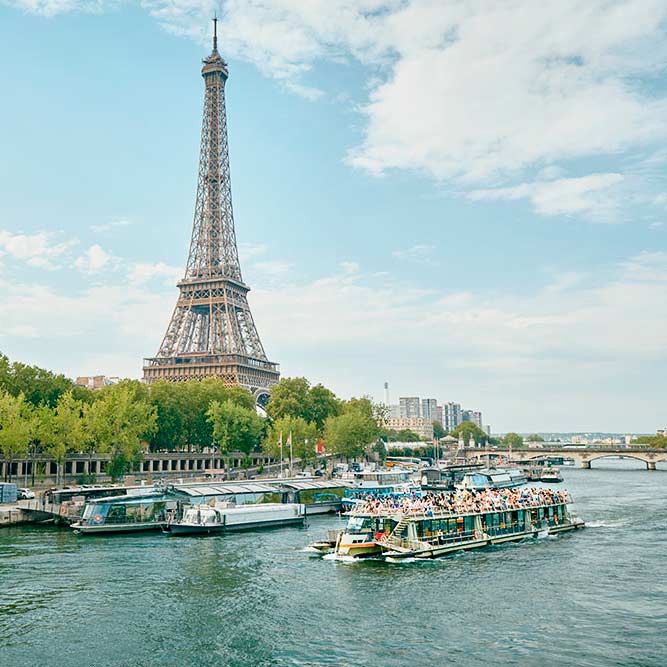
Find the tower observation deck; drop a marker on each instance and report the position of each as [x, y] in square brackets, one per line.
[212, 332]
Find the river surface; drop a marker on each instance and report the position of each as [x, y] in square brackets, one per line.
[596, 597]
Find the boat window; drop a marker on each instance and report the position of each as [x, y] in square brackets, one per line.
[358, 523]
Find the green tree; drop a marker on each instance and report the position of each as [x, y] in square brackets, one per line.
[512, 440]
[407, 435]
[467, 429]
[167, 398]
[16, 428]
[61, 430]
[657, 441]
[438, 431]
[535, 438]
[235, 427]
[350, 433]
[304, 438]
[323, 404]
[289, 398]
[294, 397]
[120, 422]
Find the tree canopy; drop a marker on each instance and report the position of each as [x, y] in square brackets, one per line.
[535, 437]
[467, 429]
[235, 427]
[512, 440]
[294, 397]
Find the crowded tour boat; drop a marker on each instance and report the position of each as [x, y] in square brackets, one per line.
[441, 523]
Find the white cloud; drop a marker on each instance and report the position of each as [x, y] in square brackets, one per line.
[38, 250]
[587, 195]
[272, 268]
[416, 253]
[475, 92]
[110, 226]
[349, 329]
[248, 251]
[53, 7]
[143, 272]
[93, 260]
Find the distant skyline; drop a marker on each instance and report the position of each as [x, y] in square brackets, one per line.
[465, 200]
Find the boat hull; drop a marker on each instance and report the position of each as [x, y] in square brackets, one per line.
[436, 551]
[117, 528]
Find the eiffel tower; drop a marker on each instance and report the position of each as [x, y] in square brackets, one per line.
[212, 332]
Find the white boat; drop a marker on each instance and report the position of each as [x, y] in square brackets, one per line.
[197, 519]
[499, 478]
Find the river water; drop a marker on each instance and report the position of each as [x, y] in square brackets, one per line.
[596, 597]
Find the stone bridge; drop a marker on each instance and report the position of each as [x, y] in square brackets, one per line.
[584, 455]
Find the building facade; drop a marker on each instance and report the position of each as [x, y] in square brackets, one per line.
[452, 415]
[473, 416]
[422, 427]
[429, 408]
[410, 407]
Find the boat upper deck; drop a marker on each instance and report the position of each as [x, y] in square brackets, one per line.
[460, 503]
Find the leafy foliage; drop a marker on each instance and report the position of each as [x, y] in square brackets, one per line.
[512, 440]
[304, 437]
[235, 427]
[16, 426]
[467, 429]
[294, 397]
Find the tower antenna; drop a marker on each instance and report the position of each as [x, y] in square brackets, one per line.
[215, 31]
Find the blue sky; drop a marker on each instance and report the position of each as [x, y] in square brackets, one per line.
[464, 199]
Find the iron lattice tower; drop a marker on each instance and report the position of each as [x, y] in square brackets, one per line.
[212, 332]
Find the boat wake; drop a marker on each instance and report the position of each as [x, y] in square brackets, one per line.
[342, 559]
[606, 524]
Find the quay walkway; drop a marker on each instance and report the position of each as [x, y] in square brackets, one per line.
[44, 471]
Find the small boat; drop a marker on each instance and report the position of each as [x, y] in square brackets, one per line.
[207, 519]
[494, 478]
[328, 543]
[551, 475]
[124, 514]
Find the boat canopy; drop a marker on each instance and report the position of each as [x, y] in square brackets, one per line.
[315, 484]
[224, 489]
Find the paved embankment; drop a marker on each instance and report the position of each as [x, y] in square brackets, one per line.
[12, 515]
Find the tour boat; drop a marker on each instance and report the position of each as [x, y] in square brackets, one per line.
[122, 514]
[551, 474]
[400, 534]
[218, 518]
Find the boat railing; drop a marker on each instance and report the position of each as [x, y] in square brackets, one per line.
[399, 513]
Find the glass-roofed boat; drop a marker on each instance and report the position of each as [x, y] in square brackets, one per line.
[121, 514]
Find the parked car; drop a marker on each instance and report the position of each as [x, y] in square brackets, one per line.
[25, 494]
[319, 472]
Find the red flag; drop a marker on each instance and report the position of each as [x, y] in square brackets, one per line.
[319, 448]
